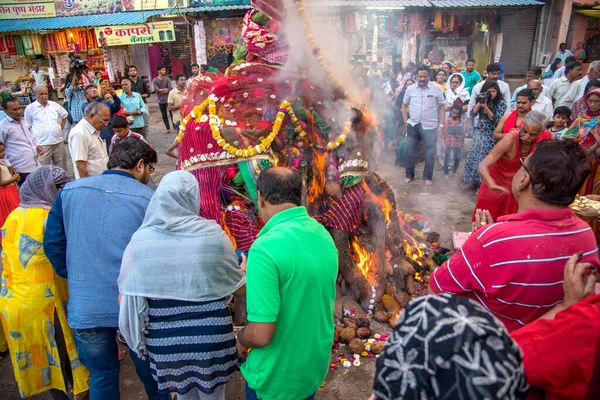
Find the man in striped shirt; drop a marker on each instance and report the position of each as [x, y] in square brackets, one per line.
[514, 268]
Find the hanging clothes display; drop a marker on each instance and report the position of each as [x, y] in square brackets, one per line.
[200, 42]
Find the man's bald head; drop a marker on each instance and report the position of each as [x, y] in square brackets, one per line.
[536, 86]
[279, 185]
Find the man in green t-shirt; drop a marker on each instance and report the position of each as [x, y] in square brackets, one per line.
[290, 281]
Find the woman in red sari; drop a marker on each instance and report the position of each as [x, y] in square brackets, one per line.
[500, 166]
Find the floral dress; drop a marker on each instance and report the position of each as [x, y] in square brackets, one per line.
[32, 296]
[483, 143]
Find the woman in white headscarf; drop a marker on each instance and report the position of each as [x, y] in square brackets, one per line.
[455, 94]
[176, 273]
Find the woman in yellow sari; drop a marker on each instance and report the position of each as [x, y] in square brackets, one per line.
[32, 297]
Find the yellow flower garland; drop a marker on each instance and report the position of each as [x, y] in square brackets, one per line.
[251, 151]
[195, 113]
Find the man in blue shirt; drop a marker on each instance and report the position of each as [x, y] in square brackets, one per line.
[75, 95]
[85, 214]
[134, 106]
[471, 76]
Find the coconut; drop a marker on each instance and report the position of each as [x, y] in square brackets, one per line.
[356, 346]
[377, 347]
[363, 323]
[349, 322]
[347, 334]
[381, 316]
[364, 333]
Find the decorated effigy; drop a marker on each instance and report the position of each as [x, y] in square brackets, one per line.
[265, 111]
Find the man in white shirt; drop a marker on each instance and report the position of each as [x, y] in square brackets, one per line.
[561, 71]
[39, 76]
[542, 103]
[563, 53]
[175, 98]
[562, 90]
[87, 148]
[493, 74]
[423, 110]
[532, 73]
[20, 147]
[47, 120]
[195, 73]
[593, 73]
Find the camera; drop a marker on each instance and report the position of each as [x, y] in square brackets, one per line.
[77, 64]
[484, 97]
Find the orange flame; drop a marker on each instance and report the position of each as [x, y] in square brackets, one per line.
[381, 201]
[418, 277]
[362, 257]
[414, 252]
[317, 183]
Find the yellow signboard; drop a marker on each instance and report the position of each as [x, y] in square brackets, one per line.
[3, 2]
[27, 10]
[122, 35]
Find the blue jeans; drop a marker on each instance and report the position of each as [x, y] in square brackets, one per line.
[428, 139]
[251, 394]
[98, 351]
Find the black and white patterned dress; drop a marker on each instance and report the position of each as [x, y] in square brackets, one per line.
[190, 345]
[483, 143]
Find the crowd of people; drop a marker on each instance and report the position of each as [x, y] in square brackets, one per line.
[110, 260]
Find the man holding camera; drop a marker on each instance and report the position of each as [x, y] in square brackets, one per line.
[424, 103]
[75, 95]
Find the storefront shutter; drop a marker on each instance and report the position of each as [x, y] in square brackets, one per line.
[518, 37]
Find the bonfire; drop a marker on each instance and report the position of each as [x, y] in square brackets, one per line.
[264, 112]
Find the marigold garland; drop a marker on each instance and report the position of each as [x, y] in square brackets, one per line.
[215, 126]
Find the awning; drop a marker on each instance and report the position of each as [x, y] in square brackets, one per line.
[484, 3]
[593, 11]
[216, 8]
[35, 24]
[122, 18]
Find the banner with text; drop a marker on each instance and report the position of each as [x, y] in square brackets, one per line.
[14, 10]
[89, 7]
[122, 35]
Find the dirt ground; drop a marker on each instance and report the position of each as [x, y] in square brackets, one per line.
[445, 206]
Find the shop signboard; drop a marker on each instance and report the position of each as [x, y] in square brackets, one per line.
[11, 9]
[218, 3]
[122, 35]
[89, 7]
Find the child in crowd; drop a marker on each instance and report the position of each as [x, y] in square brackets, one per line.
[454, 131]
[560, 119]
[121, 127]
[9, 192]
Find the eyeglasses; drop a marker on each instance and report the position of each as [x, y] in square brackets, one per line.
[151, 168]
[522, 161]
